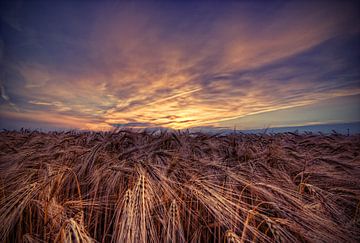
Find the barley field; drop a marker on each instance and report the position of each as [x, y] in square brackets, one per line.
[129, 186]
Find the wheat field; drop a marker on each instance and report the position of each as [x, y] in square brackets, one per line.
[131, 186]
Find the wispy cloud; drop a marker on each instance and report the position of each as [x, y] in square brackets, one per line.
[6, 98]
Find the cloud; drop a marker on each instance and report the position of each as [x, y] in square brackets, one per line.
[177, 65]
[343, 109]
[6, 98]
[58, 105]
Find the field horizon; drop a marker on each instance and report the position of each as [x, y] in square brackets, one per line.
[344, 128]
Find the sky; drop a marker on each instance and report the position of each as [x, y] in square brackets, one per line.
[95, 65]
